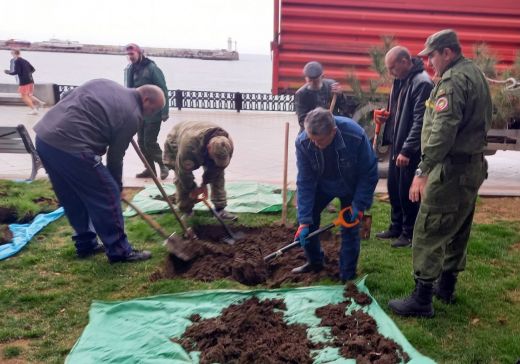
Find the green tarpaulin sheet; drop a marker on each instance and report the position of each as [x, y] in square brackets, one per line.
[139, 331]
[241, 197]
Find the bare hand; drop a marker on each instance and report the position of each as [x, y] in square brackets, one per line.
[336, 88]
[200, 193]
[417, 189]
[402, 161]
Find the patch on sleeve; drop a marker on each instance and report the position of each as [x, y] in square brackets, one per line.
[441, 104]
[188, 165]
[441, 92]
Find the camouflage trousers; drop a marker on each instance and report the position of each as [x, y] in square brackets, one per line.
[441, 231]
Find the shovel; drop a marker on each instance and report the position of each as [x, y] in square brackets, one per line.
[340, 220]
[232, 238]
[183, 246]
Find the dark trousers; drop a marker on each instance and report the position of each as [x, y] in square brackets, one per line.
[350, 239]
[404, 212]
[90, 197]
[147, 141]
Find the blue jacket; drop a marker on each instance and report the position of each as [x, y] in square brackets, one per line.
[357, 165]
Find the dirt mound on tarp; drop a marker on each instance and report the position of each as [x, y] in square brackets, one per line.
[356, 334]
[254, 331]
[244, 262]
[250, 332]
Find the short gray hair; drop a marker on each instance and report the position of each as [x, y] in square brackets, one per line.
[319, 122]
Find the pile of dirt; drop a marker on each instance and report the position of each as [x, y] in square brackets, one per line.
[250, 332]
[6, 235]
[356, 334]
[244, 262]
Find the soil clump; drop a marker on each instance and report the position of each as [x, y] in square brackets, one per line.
[6, 235]
[250, 332]
[244, 262]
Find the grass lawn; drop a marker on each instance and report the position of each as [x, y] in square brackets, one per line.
[45, 291]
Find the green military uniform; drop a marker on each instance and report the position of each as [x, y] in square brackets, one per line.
[185, 150]
[142, 73]
[456, 121]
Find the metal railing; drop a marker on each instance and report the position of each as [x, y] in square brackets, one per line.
[221, 100]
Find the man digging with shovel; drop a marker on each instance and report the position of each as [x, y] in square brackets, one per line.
[193, 144]
[334, 159]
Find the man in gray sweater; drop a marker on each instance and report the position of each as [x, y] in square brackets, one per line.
[96, 118]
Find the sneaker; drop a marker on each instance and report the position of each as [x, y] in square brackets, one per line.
[33, 112]
[99, 248]
[402, 242]
[133, 256]
[387, 234]
[225, 215]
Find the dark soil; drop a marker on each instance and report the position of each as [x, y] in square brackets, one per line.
[7, 215]
[244, 262]
[254, 332]
[250, 332]
[6, 235]
[356, 334]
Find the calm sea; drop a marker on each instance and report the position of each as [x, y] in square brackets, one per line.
[252, 73]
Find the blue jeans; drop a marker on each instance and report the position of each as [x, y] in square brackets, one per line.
[350, 239]
[90, 197]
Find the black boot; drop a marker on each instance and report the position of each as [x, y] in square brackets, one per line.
[146, 173]
[418, 304]
[444, 287]
[164, 171]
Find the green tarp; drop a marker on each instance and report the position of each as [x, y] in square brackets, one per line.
[139, 331]
[241, 197]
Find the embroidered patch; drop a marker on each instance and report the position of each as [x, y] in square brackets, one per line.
[441, 104]
[187, 164]
[441, 92]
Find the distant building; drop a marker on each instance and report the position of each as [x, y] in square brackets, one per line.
[61, 44]
[17, 43]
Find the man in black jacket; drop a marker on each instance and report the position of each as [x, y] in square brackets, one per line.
[410, 90]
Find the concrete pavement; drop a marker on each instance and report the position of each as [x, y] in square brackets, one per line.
[259, 141]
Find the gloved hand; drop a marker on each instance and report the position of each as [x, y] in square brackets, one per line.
[301, 234]
[355, 214]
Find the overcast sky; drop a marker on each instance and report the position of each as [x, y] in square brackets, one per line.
[160, 23]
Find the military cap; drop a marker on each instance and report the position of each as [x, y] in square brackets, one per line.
[313, 69]
[440, 40]
[221, 150]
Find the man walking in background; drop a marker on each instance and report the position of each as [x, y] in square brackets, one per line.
[452, 169]
[143, 71]
[406, 105]
[22, 69]
[96, 118]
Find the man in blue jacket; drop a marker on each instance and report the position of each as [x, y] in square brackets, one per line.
[334, 159]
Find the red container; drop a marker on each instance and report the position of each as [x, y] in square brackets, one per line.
[339, 33]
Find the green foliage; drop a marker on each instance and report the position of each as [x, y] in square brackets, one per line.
[11, 352]
[506, 104]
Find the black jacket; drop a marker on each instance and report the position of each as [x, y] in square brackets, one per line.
[406, 105]
[24, 70]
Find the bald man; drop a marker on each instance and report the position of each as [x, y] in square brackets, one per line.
[410, 90]
[96, 118]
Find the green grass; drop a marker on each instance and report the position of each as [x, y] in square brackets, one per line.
[45, 292]
[22, 196]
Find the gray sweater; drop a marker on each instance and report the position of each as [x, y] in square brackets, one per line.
[94, 117]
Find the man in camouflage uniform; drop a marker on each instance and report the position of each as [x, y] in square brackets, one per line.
[193, 144]
[143, 71]
[452, 168]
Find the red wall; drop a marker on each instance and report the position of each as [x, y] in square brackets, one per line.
[339, 33]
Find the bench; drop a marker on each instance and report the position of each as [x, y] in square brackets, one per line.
[16, 139]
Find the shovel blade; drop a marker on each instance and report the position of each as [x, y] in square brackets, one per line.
[184, 249]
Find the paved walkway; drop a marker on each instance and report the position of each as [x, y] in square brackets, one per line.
[259, 141]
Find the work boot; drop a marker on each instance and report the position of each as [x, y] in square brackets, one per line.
[164, 171]
[308, 267]
[418, 304]
[133, 256]
[99, 248]
[225, 215]
[402, 242]
[444, 287]
[387, 234]
[144, 174]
